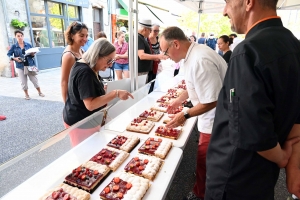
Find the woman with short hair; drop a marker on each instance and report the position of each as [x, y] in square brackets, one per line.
[17, 54]
[76, 36]
[121, 64]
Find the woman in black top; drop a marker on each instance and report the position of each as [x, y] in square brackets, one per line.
[86, 93]
[223, 43]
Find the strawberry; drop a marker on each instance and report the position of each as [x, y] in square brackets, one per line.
[107, 161]
[146, 161]
[99, 157]
[116, 187]
[96, 172]
[103, 151]
[83, 177]
[136, 158]
[137, 164]
[131, 165]
[106, 190]
[120, 194]
[151, 138]
[55, 195]
[159, 139]
[116, 179]
[128, 185]
[78, 169]
[147, 147]
[147, 142]
[66, 197]
[141, 167]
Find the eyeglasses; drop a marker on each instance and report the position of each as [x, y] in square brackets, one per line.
[166, 52]
[156, 31]
[111, 61]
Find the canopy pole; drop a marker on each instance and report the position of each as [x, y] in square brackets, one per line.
[131, 47]
[136, 45]
[200, 10]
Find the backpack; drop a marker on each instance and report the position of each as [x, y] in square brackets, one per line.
[211, 42]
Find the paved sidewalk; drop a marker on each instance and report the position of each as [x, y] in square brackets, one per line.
[49, 81]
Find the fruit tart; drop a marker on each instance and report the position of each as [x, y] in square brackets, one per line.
[156, 147]
[125, 186]
[172, 133]
[124, 142]
[152, 115]
[140, 125]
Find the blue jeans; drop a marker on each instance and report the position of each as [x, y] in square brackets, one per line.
[123, 67]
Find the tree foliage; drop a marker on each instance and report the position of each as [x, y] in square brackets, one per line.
[209, 23]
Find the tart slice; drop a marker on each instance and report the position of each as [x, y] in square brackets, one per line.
[152, 115]
[177, 91]
[140, 125]
[156, 147]
[160, 107]
[125, 143]
[144, 166]
[87, 176]
[111, 157]
[172, 133]
[166, 99]
[64, 191]
[125, 186]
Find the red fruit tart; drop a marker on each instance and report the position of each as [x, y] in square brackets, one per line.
[125, 186]
[160, 107]
[166, 99]
[87, 176]
[140, 126]
[172, 133]
[111, 157]
[125, 143]
[66, 192]
[152, 115]
[156, 147]
[144, 166]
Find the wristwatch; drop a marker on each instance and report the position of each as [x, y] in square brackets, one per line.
[186, 114]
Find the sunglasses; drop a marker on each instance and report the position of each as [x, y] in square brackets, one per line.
[111, 61]
[77, 25]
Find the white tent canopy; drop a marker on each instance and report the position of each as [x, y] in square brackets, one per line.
[216, 6]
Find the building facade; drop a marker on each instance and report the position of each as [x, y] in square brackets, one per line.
[47, 21]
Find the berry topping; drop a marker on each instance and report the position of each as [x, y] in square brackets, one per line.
[136, 158]
[120, 194]
[55, 195]
[96, 172]
[128, 185]
[146, 161]
[147, 142]
[141, 167]
[106, 190]
[66, 197]
[151, 138]
[83, 177]
[159, 139]
[116, 179]
[116, 187]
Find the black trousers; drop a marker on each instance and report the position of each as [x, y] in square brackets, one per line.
[151, 76]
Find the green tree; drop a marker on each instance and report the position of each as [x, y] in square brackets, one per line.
[209, 23]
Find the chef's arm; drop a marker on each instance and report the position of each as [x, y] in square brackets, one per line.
[280, 155]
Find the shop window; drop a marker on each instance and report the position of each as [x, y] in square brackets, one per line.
[57, 32]
[40, 33]
[55, 8]
[97, 21]
[37, 6]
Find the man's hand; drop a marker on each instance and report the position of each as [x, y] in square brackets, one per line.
[172, 106]
[162, 57]
[177, 120]
[287, 150]
[293, 178]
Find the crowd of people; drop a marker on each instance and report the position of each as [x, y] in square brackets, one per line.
[246, 102]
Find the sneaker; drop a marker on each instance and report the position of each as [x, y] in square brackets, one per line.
[2, 117]
[191, 196]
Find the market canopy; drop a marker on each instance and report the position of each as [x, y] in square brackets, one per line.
[217, 6]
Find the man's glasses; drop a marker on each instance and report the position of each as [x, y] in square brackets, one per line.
[156, 31]
[166, 52]
[111, 61]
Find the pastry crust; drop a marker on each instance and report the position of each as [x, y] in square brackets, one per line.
[111, 157]
[160, 107]
[152, 115]
[144, 166]
[73, 191]
[156, 146]
[167, 120]
[140, 126]
[172, 133]
[130, 186]
[124, 142]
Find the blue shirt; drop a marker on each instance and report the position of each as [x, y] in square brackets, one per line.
[201, 40]
[16, 51]
[87, 44]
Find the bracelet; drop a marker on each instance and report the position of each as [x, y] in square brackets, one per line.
[117, 94]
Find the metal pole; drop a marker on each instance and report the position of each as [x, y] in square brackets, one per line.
[199, 20]
[131, 47]
[136, 45]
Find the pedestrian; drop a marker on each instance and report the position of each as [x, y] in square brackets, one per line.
[236, 40]
[204, 74]
[86, 94]
[202, 39]
[145, 56]
[101, 34]
[257, 123]
[224, 43]
[76, 36]
[17, 54]
[121, 64]
[193, 38]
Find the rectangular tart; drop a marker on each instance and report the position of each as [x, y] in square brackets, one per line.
[166, 99]
[140, 125]
[87, 176]
[64, 191]
[144, 166]
[156, 147]
[111, 157]
[160, 107]
[152, 115]
[172, 133]
[124, 142]
[125, 186]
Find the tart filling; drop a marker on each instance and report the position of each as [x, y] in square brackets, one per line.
[172, 133]
[156, 146]
[152, 115]
[125, 143]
